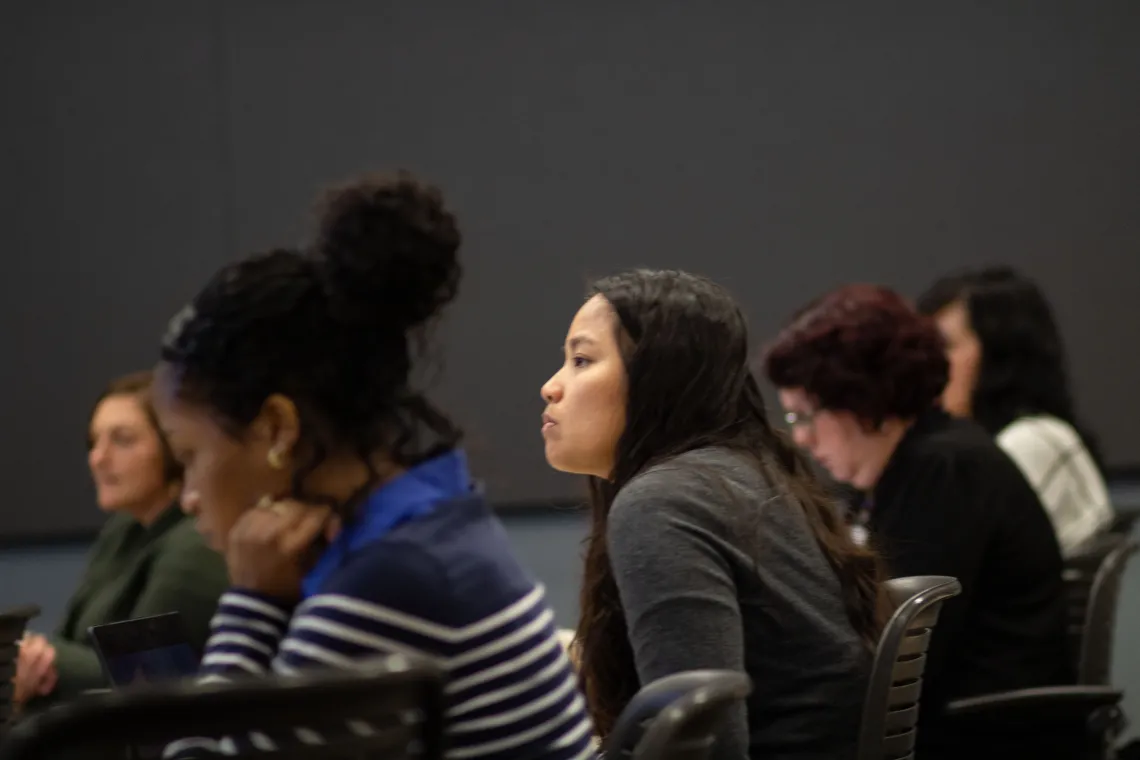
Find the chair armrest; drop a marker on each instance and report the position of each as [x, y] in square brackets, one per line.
[1123, 519]
[1040, 704]
[25, 611]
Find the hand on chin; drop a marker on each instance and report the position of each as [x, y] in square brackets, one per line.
[273, 546]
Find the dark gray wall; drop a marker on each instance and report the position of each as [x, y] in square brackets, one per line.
[782, 148]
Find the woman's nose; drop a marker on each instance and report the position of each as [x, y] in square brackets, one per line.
[551, 391]
[97, 455]
[801, 436]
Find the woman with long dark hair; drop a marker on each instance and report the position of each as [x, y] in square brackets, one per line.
[1008, 371]
[712, 545]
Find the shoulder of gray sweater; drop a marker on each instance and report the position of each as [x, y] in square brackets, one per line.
[703, 485]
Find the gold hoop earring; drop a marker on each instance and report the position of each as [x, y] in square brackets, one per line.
[275, 458]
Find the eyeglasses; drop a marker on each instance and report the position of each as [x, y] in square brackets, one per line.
[799, 419]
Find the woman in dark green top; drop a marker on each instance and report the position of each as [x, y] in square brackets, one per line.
[147, 559]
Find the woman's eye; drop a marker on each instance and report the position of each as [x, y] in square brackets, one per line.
[580, 361]
[122, 439]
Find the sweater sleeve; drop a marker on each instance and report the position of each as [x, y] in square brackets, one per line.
[511, 691]
[78, 668]
[676, 587]
[255, 635]
[185, 577]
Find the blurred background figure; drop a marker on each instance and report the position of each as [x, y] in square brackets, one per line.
[147, 559]
[860, 374]
[1008, 370]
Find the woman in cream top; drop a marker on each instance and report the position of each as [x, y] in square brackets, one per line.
[1008, 371]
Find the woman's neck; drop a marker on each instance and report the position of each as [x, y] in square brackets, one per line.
[341, 478]
[880, 447]
[147, 513]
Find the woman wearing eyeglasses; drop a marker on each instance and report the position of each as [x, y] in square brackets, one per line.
[859, 373]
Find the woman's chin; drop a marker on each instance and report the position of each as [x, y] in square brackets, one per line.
[552, 457]
[107, 504]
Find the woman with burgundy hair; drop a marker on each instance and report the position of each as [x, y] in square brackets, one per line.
[859, 374]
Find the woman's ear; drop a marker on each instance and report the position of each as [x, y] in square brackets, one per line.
[278, 425]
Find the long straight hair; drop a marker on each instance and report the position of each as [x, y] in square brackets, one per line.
[689, 386]
[1024, 367]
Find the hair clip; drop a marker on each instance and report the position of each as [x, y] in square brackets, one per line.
[177, 325]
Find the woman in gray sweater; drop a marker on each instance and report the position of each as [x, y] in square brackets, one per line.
[712, 545]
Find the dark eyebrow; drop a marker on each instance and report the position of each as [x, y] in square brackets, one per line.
[578, 340]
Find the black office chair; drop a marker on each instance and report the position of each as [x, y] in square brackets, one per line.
[13, 623]
[1085, 720]
[676, 717]
[890, 710]
[391, 707]
[1093, 577]
[1049, 723]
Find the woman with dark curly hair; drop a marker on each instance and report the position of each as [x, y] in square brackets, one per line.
[712, 544]
[1009, 372]
[340, 494]
[859, 373]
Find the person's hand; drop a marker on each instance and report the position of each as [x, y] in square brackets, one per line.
[35, 669]
[566, 639]
[273, 546]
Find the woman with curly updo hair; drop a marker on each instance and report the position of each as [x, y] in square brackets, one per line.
[340, 494]
[860, 373]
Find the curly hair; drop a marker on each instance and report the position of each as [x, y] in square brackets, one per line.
[861, 349]
[1024, 368]
[689, 385]
[330, 327]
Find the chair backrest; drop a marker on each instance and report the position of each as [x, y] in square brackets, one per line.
[13, 623]
[889, 727]
[1093, 577]
[643, 710]
[688, 727]
[388, 708]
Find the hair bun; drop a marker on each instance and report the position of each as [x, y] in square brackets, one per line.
[388, 248]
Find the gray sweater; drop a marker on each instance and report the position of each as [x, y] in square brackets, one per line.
[715, 570]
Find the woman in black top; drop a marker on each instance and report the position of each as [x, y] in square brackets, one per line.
[859, 374]
[712, 545]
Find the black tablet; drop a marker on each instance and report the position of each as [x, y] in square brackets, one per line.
[150, 649]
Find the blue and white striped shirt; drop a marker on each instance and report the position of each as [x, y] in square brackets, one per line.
[442, 584]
